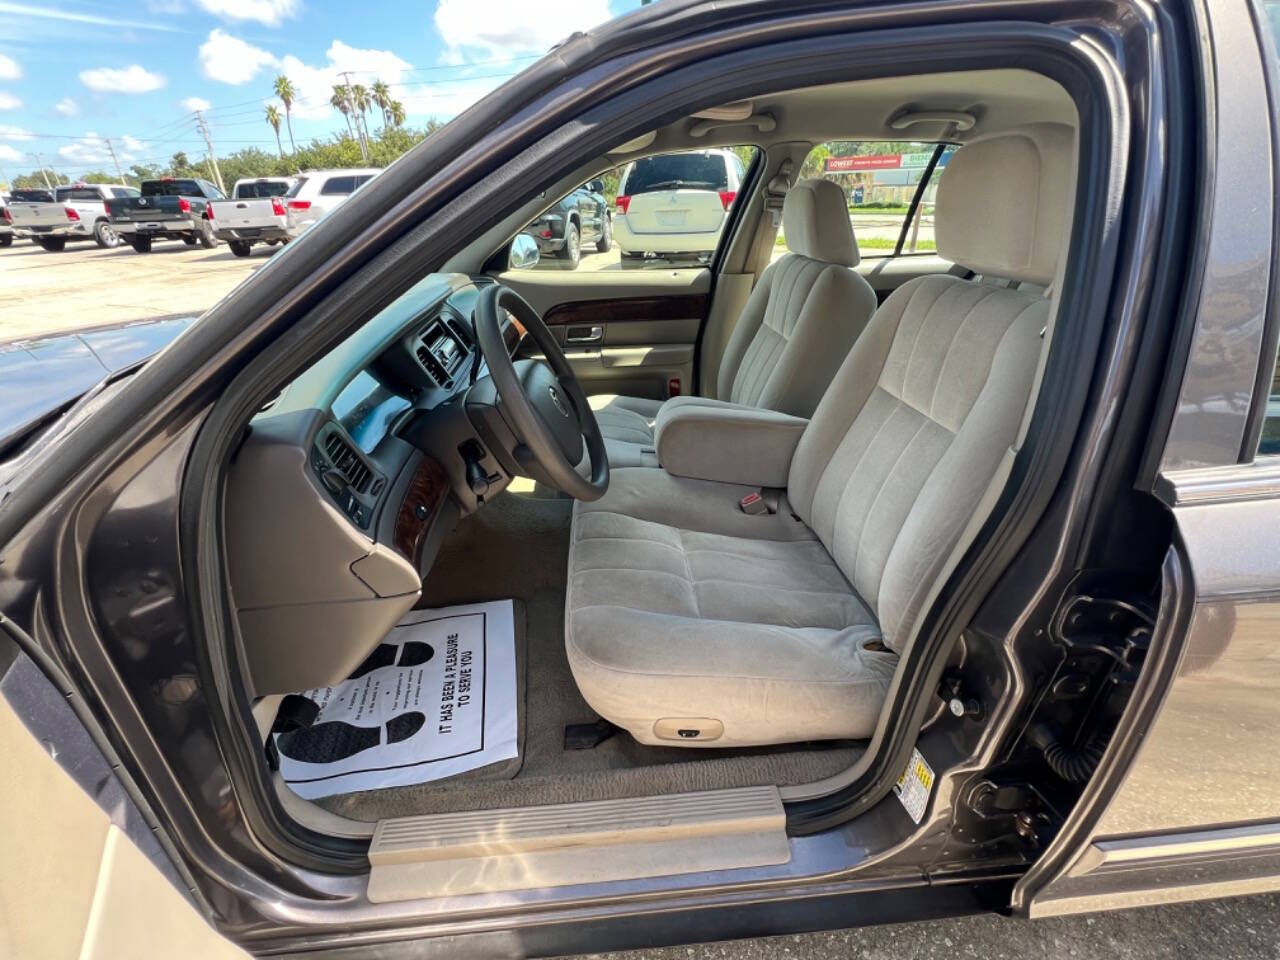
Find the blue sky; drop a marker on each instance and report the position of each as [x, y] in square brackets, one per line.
[75, 72]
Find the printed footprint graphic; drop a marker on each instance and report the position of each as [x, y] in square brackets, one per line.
[328, 742]
[412, 654]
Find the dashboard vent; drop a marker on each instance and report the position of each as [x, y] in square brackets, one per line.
[346, 460]
[441, 352]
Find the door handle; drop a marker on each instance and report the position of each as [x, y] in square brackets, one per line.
[593, 334]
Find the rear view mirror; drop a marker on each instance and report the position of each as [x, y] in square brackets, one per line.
[523, 254]
[596, 186]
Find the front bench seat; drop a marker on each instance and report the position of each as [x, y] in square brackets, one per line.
[688, 621]
[798, 325]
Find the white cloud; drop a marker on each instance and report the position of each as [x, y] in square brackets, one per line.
[315, 83]
[9, 132]
[8, 101]
[9, 69]
[8, 153]
[133, 79]
[269, 12]
[67, 107]
[494, 29]
[194, 103]
[229, 59]
[91, 151]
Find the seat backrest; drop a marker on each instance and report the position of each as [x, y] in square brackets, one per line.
[904, 444]
[806, 311]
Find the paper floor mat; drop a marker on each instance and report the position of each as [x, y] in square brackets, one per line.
[437, 698]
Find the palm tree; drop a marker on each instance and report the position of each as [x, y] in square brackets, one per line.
[286, 93]
[381, 95]
[395, 111]
[341, 101]
[361, 100]
[273, 118]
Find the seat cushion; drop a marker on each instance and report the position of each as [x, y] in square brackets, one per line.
[627, 424]
[735, 626]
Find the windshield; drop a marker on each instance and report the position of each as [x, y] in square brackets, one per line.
[31, 196]
[674, 171]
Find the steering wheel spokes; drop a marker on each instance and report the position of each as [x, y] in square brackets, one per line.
[540, 401]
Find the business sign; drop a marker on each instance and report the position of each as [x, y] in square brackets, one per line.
[880, 161]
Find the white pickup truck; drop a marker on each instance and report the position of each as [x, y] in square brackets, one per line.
[256, 213]
[76, 211]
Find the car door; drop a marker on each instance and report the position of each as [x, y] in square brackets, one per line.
[1197, 812]
[84, 876]
[632, 332]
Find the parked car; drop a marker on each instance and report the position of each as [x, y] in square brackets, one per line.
[671, 207]
[76, 211]
[255, 213]
[6, 222]
[317, 192]
[170, 208]
[306, 651]
[580, 217]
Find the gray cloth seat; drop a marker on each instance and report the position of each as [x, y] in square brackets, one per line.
[801, 319]
[690, 621]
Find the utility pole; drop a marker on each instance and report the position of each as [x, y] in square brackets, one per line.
[112, 151]
[357, 116]
[208, 142]
[40, 164]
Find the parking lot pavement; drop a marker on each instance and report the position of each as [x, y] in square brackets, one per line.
[1243, 928]
[84, 286]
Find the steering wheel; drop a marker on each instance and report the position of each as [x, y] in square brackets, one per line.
[540, 401]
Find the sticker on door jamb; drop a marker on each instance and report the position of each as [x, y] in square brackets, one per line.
[914, 786]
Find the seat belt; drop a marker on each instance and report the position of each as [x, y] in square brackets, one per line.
[775, 193]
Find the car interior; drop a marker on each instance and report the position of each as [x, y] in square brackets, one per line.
[720, 497]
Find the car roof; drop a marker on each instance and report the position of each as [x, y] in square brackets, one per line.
[342, 170]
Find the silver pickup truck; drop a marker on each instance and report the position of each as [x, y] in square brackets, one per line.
[256, 213]
[76, 211]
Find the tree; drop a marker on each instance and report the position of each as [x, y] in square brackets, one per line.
[273, 118]
[361, 101]
[395, 111]
[341, 101]
[284, 90]
[381, 95]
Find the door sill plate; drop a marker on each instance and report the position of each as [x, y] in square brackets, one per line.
[454, 854]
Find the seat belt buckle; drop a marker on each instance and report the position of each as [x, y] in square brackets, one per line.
[754, 504]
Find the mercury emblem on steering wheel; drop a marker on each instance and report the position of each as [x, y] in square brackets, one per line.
[556, 399]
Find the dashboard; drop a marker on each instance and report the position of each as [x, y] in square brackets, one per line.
[347, 481]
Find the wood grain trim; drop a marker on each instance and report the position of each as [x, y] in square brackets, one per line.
[421, 502]
[690, 306]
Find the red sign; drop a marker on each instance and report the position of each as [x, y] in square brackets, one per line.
[874, 161]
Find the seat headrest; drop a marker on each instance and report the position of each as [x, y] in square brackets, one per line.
[815, 222]
[1003, 202]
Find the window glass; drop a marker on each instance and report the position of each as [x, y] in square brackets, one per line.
[667, 211]
[1269, 443]
[879, 180]
[261, 189]
[297, 187]
[124, 192]
[338, 186]
[78, 193]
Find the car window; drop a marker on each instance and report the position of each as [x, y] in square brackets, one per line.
[78, 193]
[667, 211]
[1269, 442]
[880, 179]
[297, 187]
[27, 195]
[261, 189]
[124, 192]
[362, 179]
[338, 186]
[171, 188]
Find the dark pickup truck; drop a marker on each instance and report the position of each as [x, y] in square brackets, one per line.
[172, 208]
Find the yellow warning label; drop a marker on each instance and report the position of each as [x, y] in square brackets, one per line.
[914, 786]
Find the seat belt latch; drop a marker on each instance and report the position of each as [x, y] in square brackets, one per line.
[754, 504]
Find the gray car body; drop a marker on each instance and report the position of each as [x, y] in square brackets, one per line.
[1158, 820]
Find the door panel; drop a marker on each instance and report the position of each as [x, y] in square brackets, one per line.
[627, 332]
